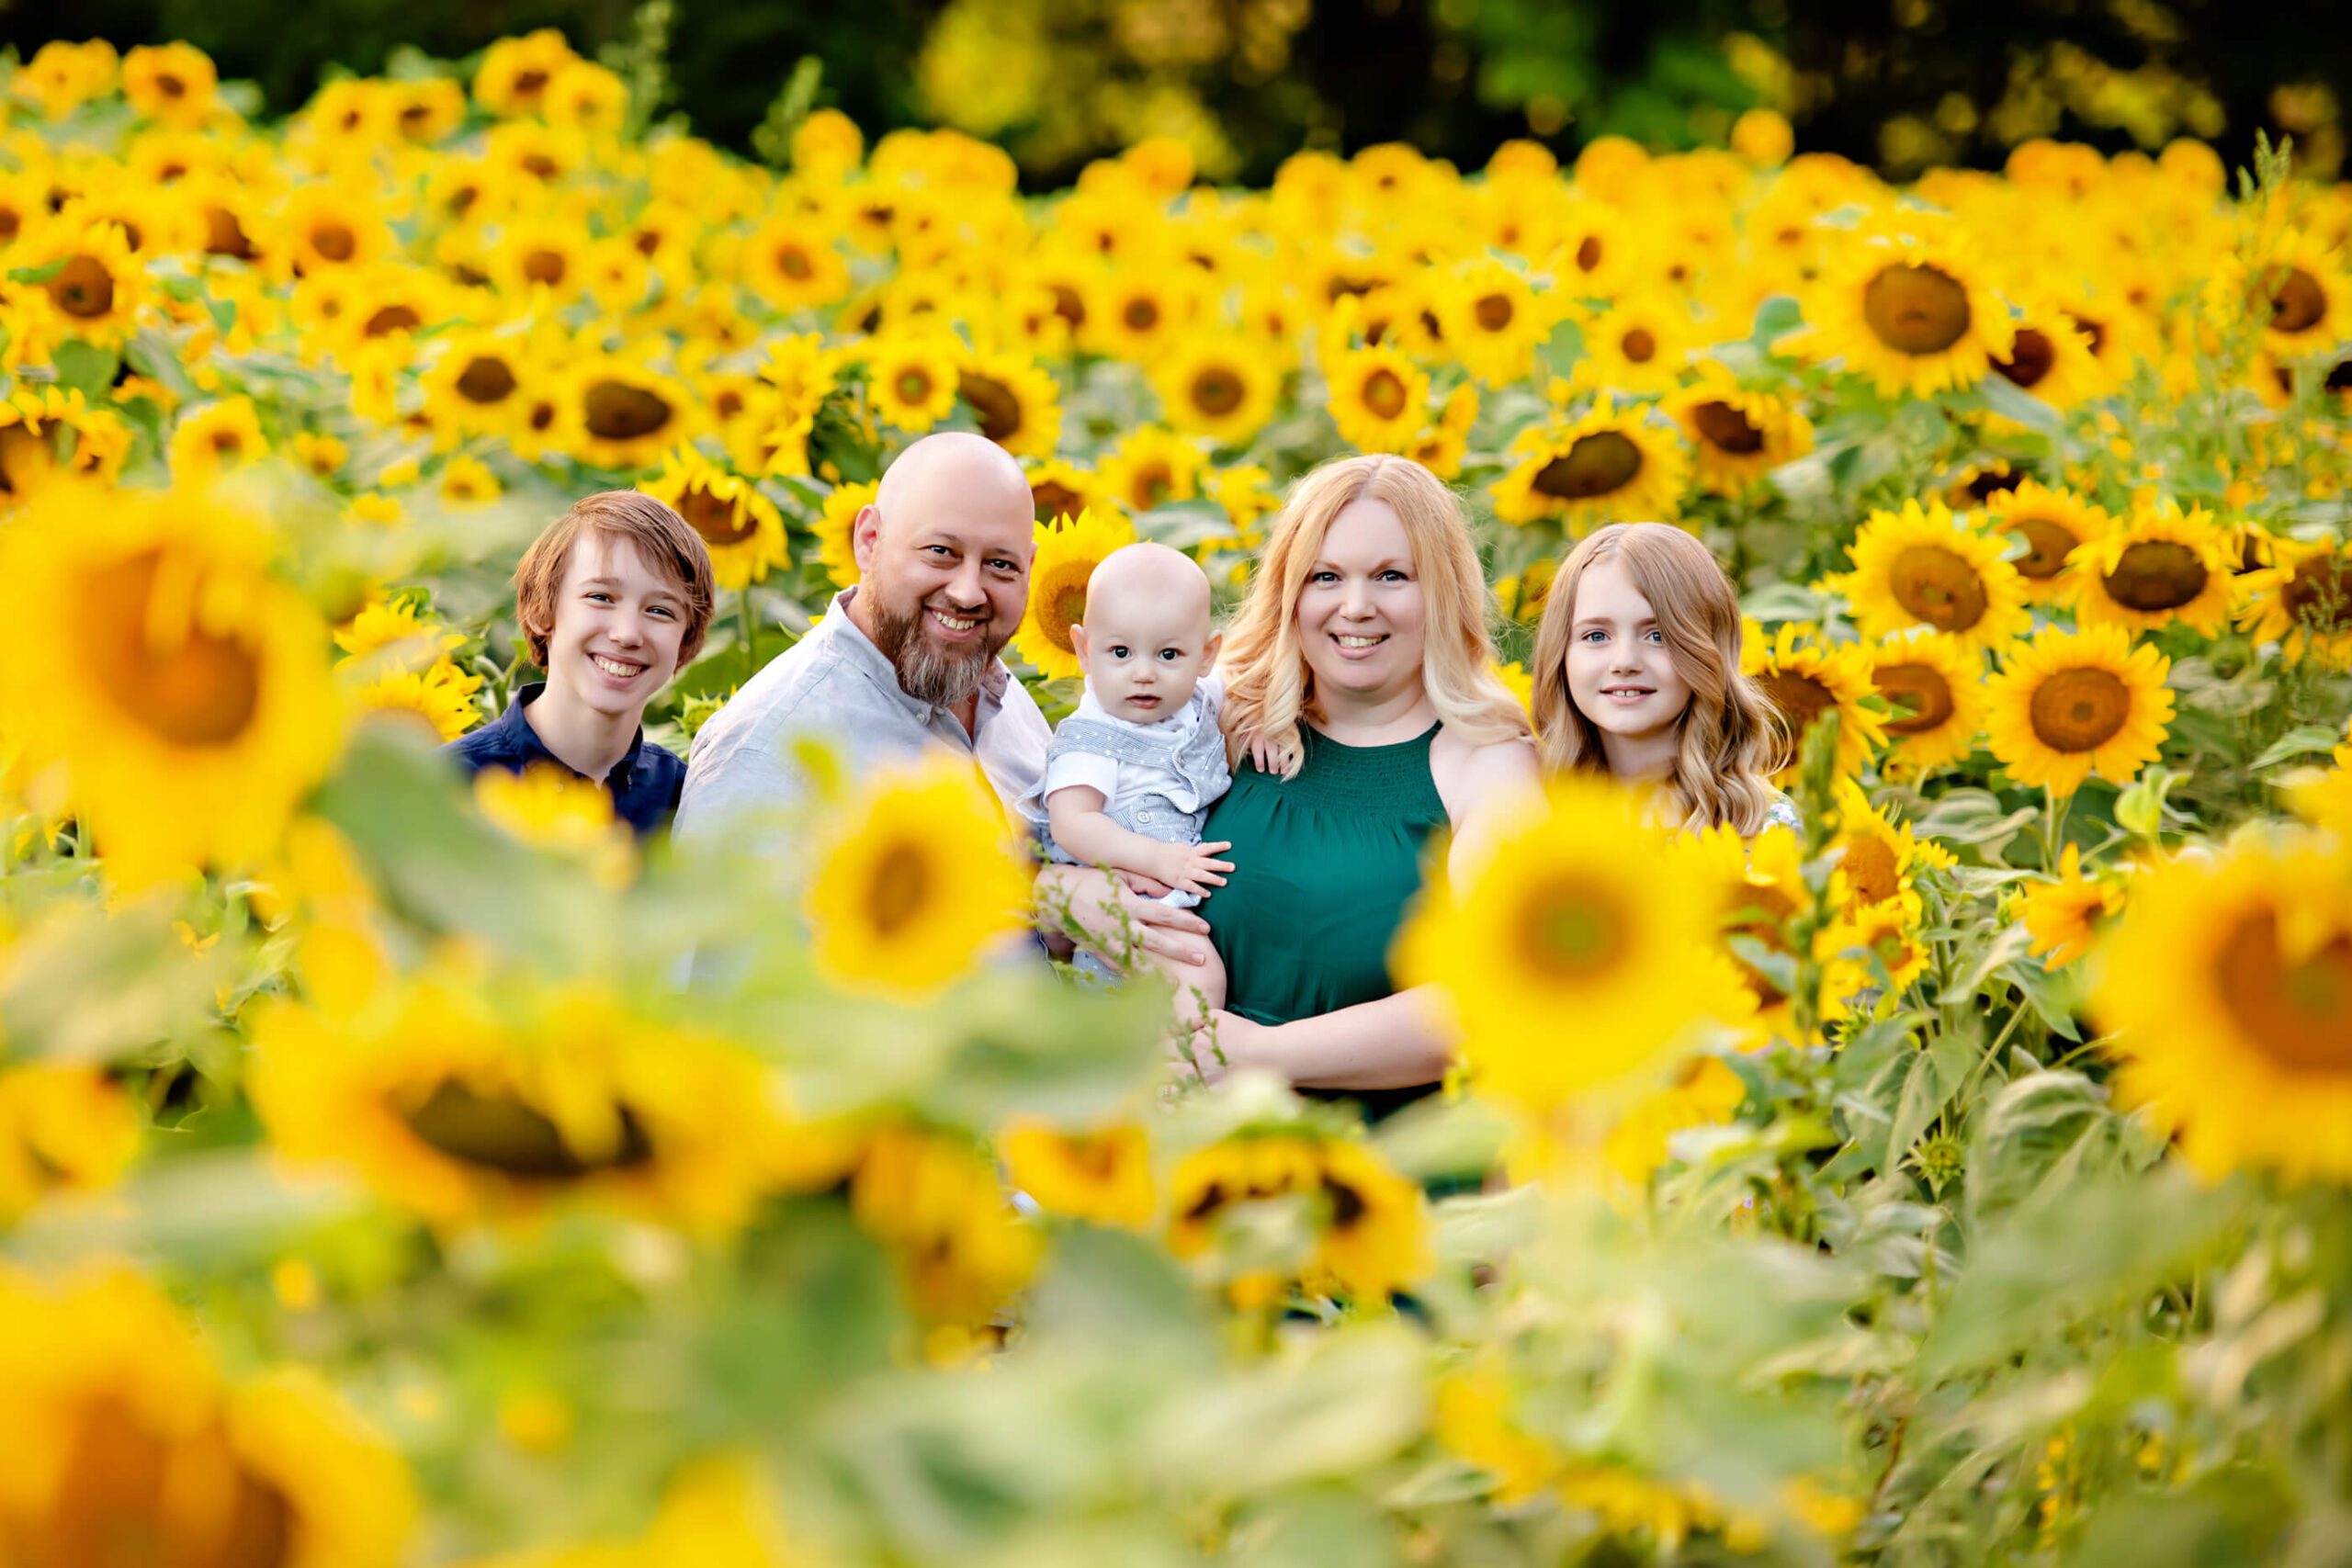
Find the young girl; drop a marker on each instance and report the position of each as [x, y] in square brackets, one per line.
[1637, 674]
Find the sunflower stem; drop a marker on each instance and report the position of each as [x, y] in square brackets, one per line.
[2053, 830]
[747, 631]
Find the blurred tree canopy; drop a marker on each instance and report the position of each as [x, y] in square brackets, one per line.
[1900, 83]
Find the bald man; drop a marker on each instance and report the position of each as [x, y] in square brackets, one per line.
[904, 662]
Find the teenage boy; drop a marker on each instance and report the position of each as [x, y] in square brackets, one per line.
[614, 599]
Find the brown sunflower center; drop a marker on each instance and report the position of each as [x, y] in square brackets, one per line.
[1069, 304]
[1726, 429]
[1216, 391]
[1799, 699]
[898, 889]
[1384, 394]
[1938, 586]
[1871, 870]
[544, 266]
[529, 83]
[334, 241]
[1916, 308]
[224, 235]
[2047, 545]
[1152, 484]
[2156, 574]
[1919, 688]
[1600, 464]
[1494, 312]
[2319, 594]
[993, 403]
[2030, 359]
[913, 384]
[2298, 301]
[2296, 1011]
[486, 379]
[120, 1497]
[392, 319]
[1571, 930]
[794, 263]
[195, 690]
[1639, 347]
[716, 518]
[82, 288]
[1348, 1206]
[616, 411]
[1141, 315]
[2080, 710]
[498, 1132]
[1054, 500]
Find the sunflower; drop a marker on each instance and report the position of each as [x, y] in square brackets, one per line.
[1760, 888]
[1141, 312]
[1058, 491]
[627, 413]
[324, 226]
[585, 95]
[2051, 357]
[1368, 1227]
[169, 654]
[917, 882]
[836, 526]
[1739, 433]
[60, 76]
[1878, 860]
[1065, 562]
[1605, 468]
[2227, 985]
[937, 1204]
[1442, 447]
[1378, 399]
[126, 1431]
[394, 632]
[2156, 567]
[1579, 913]
[1222, 387]
[441, 695]
[98, 287]
[1638, 346]
[469, 484]
[1152, 467]
[1102, 1177]
[1870, 955]
[1917, 567]
[1911, 313]
[2070, 704]
[2302, 601]
[1701, 1093]
[791, 263]
[214, 439]
[1805, 679]
[175, 83]
[62, 1126]
[911, 379]
[514, 72]
[2052, 524]
[2063, 918]
[2298, 290]
[1493, 320]
[1014, 400]
[1935, 684]
[742, 527]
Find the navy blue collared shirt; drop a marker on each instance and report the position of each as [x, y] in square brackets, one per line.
[644, 784]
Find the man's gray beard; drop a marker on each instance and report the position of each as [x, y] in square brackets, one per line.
[941, 677]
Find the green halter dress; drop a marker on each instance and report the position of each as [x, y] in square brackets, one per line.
[1323, 866]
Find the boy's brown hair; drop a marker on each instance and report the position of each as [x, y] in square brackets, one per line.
[671, 547]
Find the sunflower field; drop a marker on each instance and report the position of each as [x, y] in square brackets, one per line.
[1959, 1180]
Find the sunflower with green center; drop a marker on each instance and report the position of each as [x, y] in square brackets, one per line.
[836, 529]
[1805, 678]
[2052, 523]
[1928, 568]
[917, 880]
[1223, 387]
[1738, 434]
[1609, 465]
[461, 1101]
[740, 527]
[169, 653]
[2067, 705]
[910, 376]
[2226, 989]
[1014, 400]
[1579, 913]
[2158, 566]
[1377, 397]
[2302, 600]
[1935, 684]
[1914, 314]
[1067, 557]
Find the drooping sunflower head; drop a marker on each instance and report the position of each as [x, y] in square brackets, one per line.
[2156, 565]
[1925, 567]
[1067, 557]
[2071, 704]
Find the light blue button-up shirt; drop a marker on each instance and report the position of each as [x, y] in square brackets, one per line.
[744, 778]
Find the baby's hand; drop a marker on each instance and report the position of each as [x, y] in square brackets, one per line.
[1192, 868]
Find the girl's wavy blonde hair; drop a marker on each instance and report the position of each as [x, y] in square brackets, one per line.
[1267, 687]
[1731, 734]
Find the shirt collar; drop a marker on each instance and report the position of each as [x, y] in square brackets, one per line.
[526, 742]
[885, 674]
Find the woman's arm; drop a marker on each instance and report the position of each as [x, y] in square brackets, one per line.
[1082, 893]
[1397, 1041]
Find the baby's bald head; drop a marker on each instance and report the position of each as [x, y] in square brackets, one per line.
[1147, 639]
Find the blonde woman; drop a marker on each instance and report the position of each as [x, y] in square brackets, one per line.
[1361, 659]
[1637, 675]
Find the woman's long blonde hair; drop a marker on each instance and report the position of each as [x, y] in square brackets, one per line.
[1267, 687]
[1731, 732]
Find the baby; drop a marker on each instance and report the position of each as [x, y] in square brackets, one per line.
[1131, 774]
